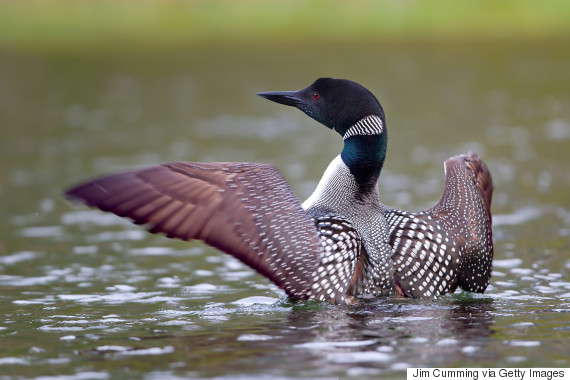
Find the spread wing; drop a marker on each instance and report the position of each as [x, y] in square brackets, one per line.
[244, 209]
[465, 211]
[450, 244]
[426, 258]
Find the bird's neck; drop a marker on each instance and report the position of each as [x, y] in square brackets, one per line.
[351, 179]
[364, 156]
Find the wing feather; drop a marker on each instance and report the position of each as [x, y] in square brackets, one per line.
[246, 210]
[450, 244]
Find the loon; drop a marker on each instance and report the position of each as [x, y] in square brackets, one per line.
[341, 243]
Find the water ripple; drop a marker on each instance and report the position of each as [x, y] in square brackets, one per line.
[521, 216]
[18, 257]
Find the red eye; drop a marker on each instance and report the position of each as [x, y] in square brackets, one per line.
[316, 96]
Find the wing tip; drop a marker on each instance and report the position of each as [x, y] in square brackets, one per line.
[481, 173]
[78, 194]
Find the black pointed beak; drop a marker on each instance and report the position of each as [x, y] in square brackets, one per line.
[289, 98]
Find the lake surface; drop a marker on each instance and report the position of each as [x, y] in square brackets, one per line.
[88, 295]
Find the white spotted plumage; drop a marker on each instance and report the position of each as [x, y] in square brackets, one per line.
[460, 252]
[341, 247]
[336, 195]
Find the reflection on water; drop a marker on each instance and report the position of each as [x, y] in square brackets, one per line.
[87, 294]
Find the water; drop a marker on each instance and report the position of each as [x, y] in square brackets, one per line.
[88, 295]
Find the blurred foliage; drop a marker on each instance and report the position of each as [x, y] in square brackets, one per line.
[53, 24]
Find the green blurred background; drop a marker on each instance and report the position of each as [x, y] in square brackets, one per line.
[87, 25]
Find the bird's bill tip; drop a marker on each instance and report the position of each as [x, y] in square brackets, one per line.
[288, 98]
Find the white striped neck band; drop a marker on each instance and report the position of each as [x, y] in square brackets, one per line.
[370, 125]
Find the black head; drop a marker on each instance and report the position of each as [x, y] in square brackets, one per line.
[336, 103]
